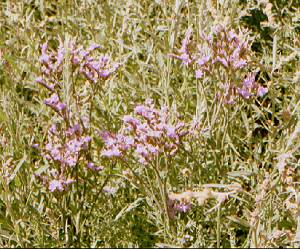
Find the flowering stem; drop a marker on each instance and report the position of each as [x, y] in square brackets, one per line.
[218, 226]
[164, 197]
[152, 194]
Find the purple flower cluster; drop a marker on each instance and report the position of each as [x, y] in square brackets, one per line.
[51, 66]
[227, 51]
[65, 151]
[185, 52]
[93, 167]
[175, 207]
[67, 144]
[93, 69]
[146, 134]
[55, 103]
[56, 182]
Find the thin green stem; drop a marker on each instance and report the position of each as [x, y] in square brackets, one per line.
[219, 226]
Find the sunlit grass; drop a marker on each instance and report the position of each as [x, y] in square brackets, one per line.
[251, 146]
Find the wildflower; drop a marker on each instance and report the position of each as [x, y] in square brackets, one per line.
[112, 152]
[41, 81]
[53, 129]
[92, 166]
[130, 120]
[146, 135]
[60, 184]
[35, 146]
[226, 48]
[56, 185]
[183, 207]
[110, 190]
[199, 74]
[45, 59]
[249, 81]
[261, 91]
[55, 103]
[184, 51]
[244, 92]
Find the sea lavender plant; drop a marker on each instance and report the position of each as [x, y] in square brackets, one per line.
[151, 138]
[225, 57]
[68, 142]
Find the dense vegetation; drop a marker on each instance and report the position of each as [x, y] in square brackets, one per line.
[150, 123]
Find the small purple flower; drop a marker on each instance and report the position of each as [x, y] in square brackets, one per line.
[110, 190]
[56, 185]
[141, 150]
[139, 109]
[53, 129]
[222, 60]
[130, 120]
[54, 99]
[153, 150]
[232, 35]
[150, 136]
[129, 142]
[71, 160]
[249, 81]
[112, 152]
[185, 58]
[93, 47]
[105, 135]
[203, 60]
[69, 181]
[244, 93]
[92, 166]
[45, 59]
[183, 207]
[86, 139]
[60, 56]
[55, 153]
[171, 132]
[261, 91]
[199, 74]
[74, 145]
[35, 146]
[40, 80]
[60, 106]
[239, 64]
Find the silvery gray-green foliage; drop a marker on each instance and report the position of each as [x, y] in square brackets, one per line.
[233, 181]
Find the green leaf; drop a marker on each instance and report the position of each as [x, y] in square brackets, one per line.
[239, 221]
[19, 165]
